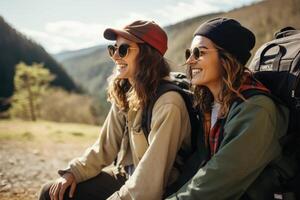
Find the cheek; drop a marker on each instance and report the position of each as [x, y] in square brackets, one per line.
[132, 67]
[214, 72]
[215, 68]
[135, 63]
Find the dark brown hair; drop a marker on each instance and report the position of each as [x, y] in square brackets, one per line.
[151, 68]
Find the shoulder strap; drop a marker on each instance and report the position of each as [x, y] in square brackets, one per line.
[167, 86]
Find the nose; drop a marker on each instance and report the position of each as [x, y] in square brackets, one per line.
[191, 60]
[116, 55]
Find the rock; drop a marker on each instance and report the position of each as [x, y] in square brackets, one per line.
[3, 183]
[6, 188]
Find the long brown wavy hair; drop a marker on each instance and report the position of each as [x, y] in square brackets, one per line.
[151, 68]
[232, 78]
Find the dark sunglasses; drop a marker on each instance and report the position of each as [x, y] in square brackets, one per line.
[122, 50]
[197, 52]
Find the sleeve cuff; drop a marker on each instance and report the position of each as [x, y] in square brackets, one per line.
[75, 173]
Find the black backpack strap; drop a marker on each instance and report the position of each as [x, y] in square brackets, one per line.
[167, 86]
[198, 156]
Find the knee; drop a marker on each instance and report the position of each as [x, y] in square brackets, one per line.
[44, 192]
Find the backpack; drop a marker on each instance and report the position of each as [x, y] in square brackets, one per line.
[276, 64]
[194, 159]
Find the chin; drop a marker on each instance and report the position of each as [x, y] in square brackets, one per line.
[122, 76]
[199, 83]
[196, 82]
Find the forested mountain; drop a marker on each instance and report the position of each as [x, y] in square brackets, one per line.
[14, 48]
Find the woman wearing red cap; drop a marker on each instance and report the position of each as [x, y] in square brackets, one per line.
[241, 132]
[144, 165]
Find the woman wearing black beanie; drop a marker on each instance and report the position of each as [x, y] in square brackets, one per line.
[241, 132]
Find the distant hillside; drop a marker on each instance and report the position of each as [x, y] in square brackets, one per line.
[72, 54]
[263, 18]
[89, 70]
[15, 47]
[180, 36]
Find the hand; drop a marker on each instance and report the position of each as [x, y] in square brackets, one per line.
[57, 190]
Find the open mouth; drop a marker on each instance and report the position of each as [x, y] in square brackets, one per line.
[121, 66]
[196, 71]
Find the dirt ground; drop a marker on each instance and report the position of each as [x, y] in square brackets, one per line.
[29, 161]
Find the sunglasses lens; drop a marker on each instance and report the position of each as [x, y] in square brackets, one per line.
[111, 50]
[187, 54]
[196, 53]
[123, 50]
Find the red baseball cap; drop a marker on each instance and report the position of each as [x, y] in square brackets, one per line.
[141, 32]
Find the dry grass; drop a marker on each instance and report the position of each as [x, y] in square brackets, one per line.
[46, 131]
[32, 152]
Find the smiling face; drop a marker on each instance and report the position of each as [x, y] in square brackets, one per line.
[126, 66]
[206, 70]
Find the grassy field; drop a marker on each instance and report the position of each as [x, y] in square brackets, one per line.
[41, 130]
[32, 152]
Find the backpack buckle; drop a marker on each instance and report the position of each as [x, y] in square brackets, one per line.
[284, 196]
[297, 99]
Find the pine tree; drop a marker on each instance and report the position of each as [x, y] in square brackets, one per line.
[31, 82]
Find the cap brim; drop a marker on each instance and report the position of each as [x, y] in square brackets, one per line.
[111, 34]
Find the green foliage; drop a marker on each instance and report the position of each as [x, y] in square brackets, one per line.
[31, 82]
[14, 48]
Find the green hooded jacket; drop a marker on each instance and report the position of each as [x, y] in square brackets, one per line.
[251, 140]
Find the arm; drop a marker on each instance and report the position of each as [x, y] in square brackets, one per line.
[103, 152]
[250, 143]
[170, 125]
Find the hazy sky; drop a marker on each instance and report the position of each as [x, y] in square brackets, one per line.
[73, 24]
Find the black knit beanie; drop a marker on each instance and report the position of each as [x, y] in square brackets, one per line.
[230, 35]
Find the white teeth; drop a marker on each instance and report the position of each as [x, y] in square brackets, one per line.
[121, 65]
[196, 71]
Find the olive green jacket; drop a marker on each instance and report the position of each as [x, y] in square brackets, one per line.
[251, 140]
